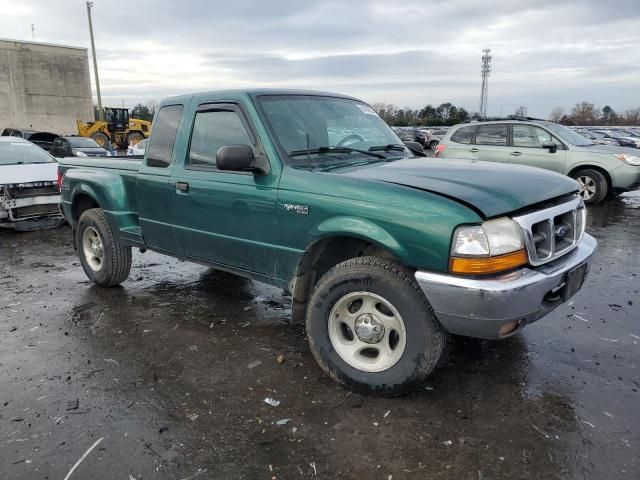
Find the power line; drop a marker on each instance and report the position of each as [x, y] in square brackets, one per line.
[485, 69]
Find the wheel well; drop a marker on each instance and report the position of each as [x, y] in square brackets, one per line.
[81, 203]
[319, 258]
[593, 167]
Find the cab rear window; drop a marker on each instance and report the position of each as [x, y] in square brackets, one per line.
[165, 128]
[464, 134]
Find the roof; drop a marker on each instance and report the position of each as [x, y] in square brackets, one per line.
[57, 45]
[511, 118]
[13, 140]
[256, 92]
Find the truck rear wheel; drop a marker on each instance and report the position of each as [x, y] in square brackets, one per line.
[371, 328]
[105, 261]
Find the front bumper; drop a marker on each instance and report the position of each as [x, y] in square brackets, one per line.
[480, 307]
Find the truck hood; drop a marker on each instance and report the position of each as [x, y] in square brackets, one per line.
[28, 173]
[491, 188]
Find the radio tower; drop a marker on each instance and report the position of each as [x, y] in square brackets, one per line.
[486, 70]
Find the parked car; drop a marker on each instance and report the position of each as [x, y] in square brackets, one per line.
[621, 139]
[41, 139]
[29, 196]
[382, 252]
[434, 137]
[140, 147]
[76, 147]
[599, 169]
[596, 137]
[406, 134]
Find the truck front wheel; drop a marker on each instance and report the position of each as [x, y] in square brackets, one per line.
[105, 261]
[371, 328]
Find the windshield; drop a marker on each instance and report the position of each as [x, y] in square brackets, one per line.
[16, 153]
[82, 142]
[568, 135]
[322, 130]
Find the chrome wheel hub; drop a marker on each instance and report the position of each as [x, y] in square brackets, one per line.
[92, 248]
[369, 329]
[587, 187]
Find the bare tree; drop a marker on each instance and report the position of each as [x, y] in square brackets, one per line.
[521, 111]
[632, 116]
[378, 106]
[584, 113]
[556, 114]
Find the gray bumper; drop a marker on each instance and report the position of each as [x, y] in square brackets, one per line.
[479, 307]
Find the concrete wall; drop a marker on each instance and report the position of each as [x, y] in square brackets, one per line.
[44, 87]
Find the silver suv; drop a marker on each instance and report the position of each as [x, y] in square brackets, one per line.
[600, 170]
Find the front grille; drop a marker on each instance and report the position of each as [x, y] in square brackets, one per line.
[22, 192]
[31, 211]
[554, 231]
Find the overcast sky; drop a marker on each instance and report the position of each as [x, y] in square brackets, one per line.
[410, 53]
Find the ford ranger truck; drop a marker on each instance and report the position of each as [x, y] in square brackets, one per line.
[384, 252]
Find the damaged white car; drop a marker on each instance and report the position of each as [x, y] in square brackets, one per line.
[29, 195]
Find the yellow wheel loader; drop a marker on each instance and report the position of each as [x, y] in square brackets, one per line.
[116, 128]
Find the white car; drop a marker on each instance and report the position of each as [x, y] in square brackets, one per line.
[139, 148]
[29, 194]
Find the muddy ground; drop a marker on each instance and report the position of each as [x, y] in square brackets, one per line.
[169, 374]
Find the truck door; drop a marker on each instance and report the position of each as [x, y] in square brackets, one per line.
[223, 217]
[528, 148]
[152, 184]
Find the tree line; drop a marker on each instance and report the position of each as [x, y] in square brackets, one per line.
[586, 113]
[444, 114]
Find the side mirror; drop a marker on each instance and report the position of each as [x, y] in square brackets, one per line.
[415, 147]
[240, 158]
[551, 146]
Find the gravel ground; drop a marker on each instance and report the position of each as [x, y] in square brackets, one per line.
[166, 378]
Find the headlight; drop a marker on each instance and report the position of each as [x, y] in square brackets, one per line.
[494, 246]
[80, 154]
[630, 159]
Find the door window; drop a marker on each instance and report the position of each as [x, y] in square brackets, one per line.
[463, 135]
[163, 137]
[213, 130]
[492, 135]
[528, 136]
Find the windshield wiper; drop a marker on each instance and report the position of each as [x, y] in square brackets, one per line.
[321, 150]
[386, 148]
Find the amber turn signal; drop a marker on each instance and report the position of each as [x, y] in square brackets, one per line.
[484, 265]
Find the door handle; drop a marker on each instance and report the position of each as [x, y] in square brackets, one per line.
[474, 150]
[516, 154]
[182, 186]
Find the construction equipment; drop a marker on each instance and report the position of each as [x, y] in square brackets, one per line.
[116, 128]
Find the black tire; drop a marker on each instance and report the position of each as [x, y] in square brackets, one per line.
[433, 145]
[425, 338]
[116, 263]
[101, 139]
[599, 181]
[134, 138]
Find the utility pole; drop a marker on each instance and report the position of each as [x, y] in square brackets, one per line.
[33, 32]
[95, 63]
[485, 69]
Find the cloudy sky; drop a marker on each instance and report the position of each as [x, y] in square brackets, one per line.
[546, 53]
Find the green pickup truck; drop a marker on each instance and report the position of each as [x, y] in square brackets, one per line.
[384, 252]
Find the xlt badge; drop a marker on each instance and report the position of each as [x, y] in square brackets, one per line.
[298, 209]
